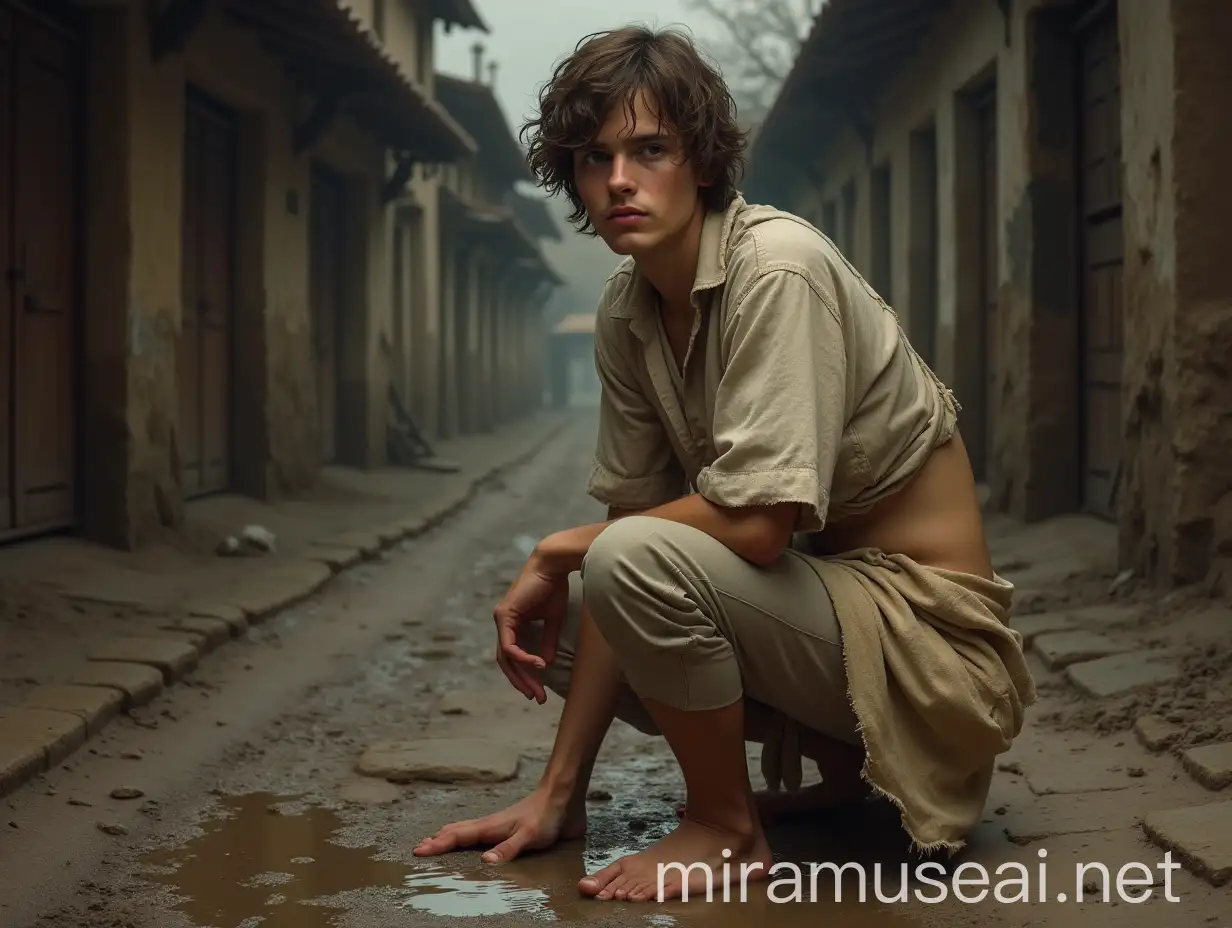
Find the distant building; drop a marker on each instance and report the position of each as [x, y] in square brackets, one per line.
[572, 376]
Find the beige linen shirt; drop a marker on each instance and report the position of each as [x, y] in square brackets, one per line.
[798, 384]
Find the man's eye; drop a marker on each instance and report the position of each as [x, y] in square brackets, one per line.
[653, 150]
[593, 157]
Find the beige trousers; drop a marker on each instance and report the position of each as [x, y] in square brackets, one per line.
[697, 627]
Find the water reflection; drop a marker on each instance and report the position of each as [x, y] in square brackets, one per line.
[264, 860]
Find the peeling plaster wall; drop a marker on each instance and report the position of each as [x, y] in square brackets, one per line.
[135, 139]
[1176, 509]
[1148, 494]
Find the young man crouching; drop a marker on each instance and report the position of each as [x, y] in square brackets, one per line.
[755, 390]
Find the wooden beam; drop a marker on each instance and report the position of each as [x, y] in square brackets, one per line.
[172, 23]
[324, 111]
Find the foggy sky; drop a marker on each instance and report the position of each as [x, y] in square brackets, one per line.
[529, 36]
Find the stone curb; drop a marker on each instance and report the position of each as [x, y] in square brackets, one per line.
[57, 719]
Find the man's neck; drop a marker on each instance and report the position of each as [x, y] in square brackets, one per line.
[672, 268]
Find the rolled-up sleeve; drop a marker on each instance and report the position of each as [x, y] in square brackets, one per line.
[780, 407]
[635, 465]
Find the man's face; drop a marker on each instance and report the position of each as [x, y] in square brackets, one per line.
[638, 188]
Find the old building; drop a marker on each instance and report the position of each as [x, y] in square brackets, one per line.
[495, 276]
[1034, 187]
[204, 209]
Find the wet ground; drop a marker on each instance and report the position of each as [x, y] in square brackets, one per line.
[232, 802]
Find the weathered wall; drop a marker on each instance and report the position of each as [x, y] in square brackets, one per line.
[134, 290]
[1148, 489]
[132, 488]
[275, 436]
[1203, 149]
[408, 39]
[1176, 508]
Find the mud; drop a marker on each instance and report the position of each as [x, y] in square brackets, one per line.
[269, 860]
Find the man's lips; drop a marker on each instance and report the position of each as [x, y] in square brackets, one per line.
[625, 212]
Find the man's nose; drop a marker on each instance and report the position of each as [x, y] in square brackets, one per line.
[619, 180]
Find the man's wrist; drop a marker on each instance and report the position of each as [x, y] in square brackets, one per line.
[560, 553]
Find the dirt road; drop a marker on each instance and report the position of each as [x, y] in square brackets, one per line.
[243, 808]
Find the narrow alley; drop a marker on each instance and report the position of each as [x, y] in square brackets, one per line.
[234, 798]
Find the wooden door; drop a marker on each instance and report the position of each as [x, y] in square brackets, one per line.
[209, 293]
[1102, 251]
[986, 114]
[8, 258]
[38, 210]
[327, 248]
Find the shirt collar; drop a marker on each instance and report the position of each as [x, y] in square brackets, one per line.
[638, 299]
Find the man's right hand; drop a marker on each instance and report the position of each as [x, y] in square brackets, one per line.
[535, 595]
[534, 823]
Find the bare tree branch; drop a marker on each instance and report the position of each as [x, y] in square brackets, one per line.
[756, 43]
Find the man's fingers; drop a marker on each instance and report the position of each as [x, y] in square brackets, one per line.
[551, 636]
[522, 679]
[513, 674]
[508, 637]
[511, 847]
[447, 839]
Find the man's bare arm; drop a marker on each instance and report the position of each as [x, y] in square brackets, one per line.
[757, 533]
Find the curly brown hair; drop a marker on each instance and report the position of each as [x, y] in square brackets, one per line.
[606, 69]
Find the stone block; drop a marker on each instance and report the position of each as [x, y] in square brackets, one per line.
[1042, 623]
[414, 526]
[1105, 615]
[1060, 649]
[138, 683]
[390, 534]
[1079, 774]
[172, 658]
[1210, 764]
[271, 590]
[232, 615]
[94, 705]
[440, 760]
[367, 543]
[1201, 836]
[1121, 673]
[212, 632]
[1156, 733]
[335, 558]
[32, 740]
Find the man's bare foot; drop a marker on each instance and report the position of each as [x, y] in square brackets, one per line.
[774, 806]
[636, 878]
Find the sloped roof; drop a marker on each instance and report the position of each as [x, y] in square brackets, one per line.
[534, 214]
[853, 51]
[475, 106]
[328, 50]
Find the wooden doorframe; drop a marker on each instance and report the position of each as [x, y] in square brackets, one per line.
[324, 175]
[984, 106]
[1095, 14]
[211, 107]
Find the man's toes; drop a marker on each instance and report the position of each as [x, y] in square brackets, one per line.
[642, 892]
[600, 881]
[618, 888]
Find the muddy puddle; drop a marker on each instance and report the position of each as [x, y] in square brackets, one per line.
[266, 861]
